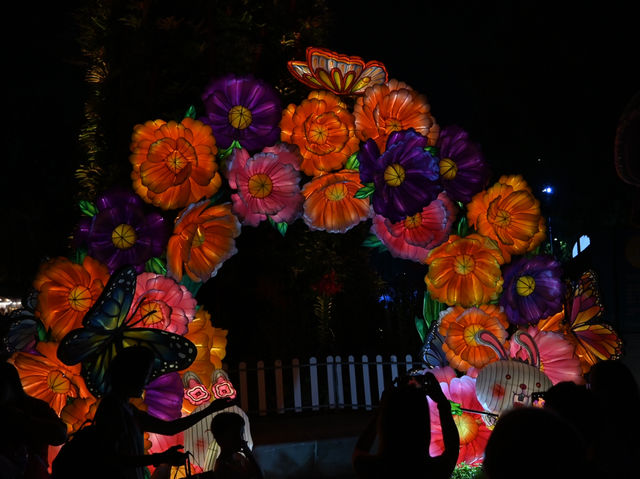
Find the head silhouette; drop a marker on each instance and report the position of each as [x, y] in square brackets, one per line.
[129, 371]
[10, 385]
[228, 430]
[404, 422]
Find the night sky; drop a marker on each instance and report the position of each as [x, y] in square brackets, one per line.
[540, 85]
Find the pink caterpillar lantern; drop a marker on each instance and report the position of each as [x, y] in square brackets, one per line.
[510, 382]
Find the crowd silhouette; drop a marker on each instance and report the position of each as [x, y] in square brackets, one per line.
[584, 431]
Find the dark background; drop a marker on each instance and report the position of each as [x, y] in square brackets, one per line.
[540, 85]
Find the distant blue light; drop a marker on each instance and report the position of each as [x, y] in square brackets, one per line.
[385, 298]
[548, 190]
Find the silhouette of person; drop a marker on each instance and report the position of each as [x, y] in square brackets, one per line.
[28, 427]
[403, 429]
[121, 425]
[616, 391]
[533, 442]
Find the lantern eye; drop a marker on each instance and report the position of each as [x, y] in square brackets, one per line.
[508, 376]
[538, 385]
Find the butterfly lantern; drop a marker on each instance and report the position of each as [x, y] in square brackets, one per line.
[508, 382]
[108, 329]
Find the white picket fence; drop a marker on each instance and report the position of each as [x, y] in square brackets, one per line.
[334, 383]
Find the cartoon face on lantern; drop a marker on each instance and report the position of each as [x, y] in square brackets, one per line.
[509, 383]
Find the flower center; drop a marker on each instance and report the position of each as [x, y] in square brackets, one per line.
[198, 237]
[503, 218]
[414, 221]
[240, 117]
[176, 162]
[393, 124]
[469, 334]
[318, 134]
[394, 174]
[336, 192]
[464, 264]
[260, 185]
[525, 285]
[123, 236]
[467, 427]
[58, 382]
[448, 168]
[151, 313]
[80, 298]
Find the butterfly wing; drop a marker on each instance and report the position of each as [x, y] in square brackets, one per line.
[113, 305]
[594, 339]
[432, 353]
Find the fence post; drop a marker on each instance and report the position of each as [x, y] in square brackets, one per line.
[367, 382]
[279, 389]
[339, 386]
[262, 394]
[297, 394]
[330, 383]
[313, 374]
[409, 361]
[352, 382]
[379, 375]
[394, 367]
[244, 391]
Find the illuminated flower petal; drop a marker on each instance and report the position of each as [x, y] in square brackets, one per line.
[67, 291]
[413, 237]
[174, 163]
[340, 74]
[322, 127]
[330, 204]
[406, 177]
[163, 397]
[161, 303]
[463, 170]
[391, 107]
[203, 239]
[267, 184]
[465, 271]
[508, 213]
[121, 233]
[44, 377]
[557, 356]
[472, 430]
[459, 326]
[533, 289]
[77, 412]
[243, 109]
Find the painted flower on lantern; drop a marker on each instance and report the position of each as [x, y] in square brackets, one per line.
[267, 185]
[557, 356]
[121, 233]
[77, 412]
[174, 163]
[330, 203]
[66, 292]
[533, 289]
[508, 213]
[195, 392]
[44, 377]
[163, 397]
[458, 327]
[340, 74]
[405, 175]
[243, 109]
[323, 128]
[203, 238]
[161, 303]
[392, 107]
[413, 237]
[463, 170]
[472, 430]
[465, 271]
[222, 388]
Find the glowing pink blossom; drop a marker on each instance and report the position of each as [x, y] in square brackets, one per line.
[414, 236]
[164, 304]
[267, 184]
[557, 358]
